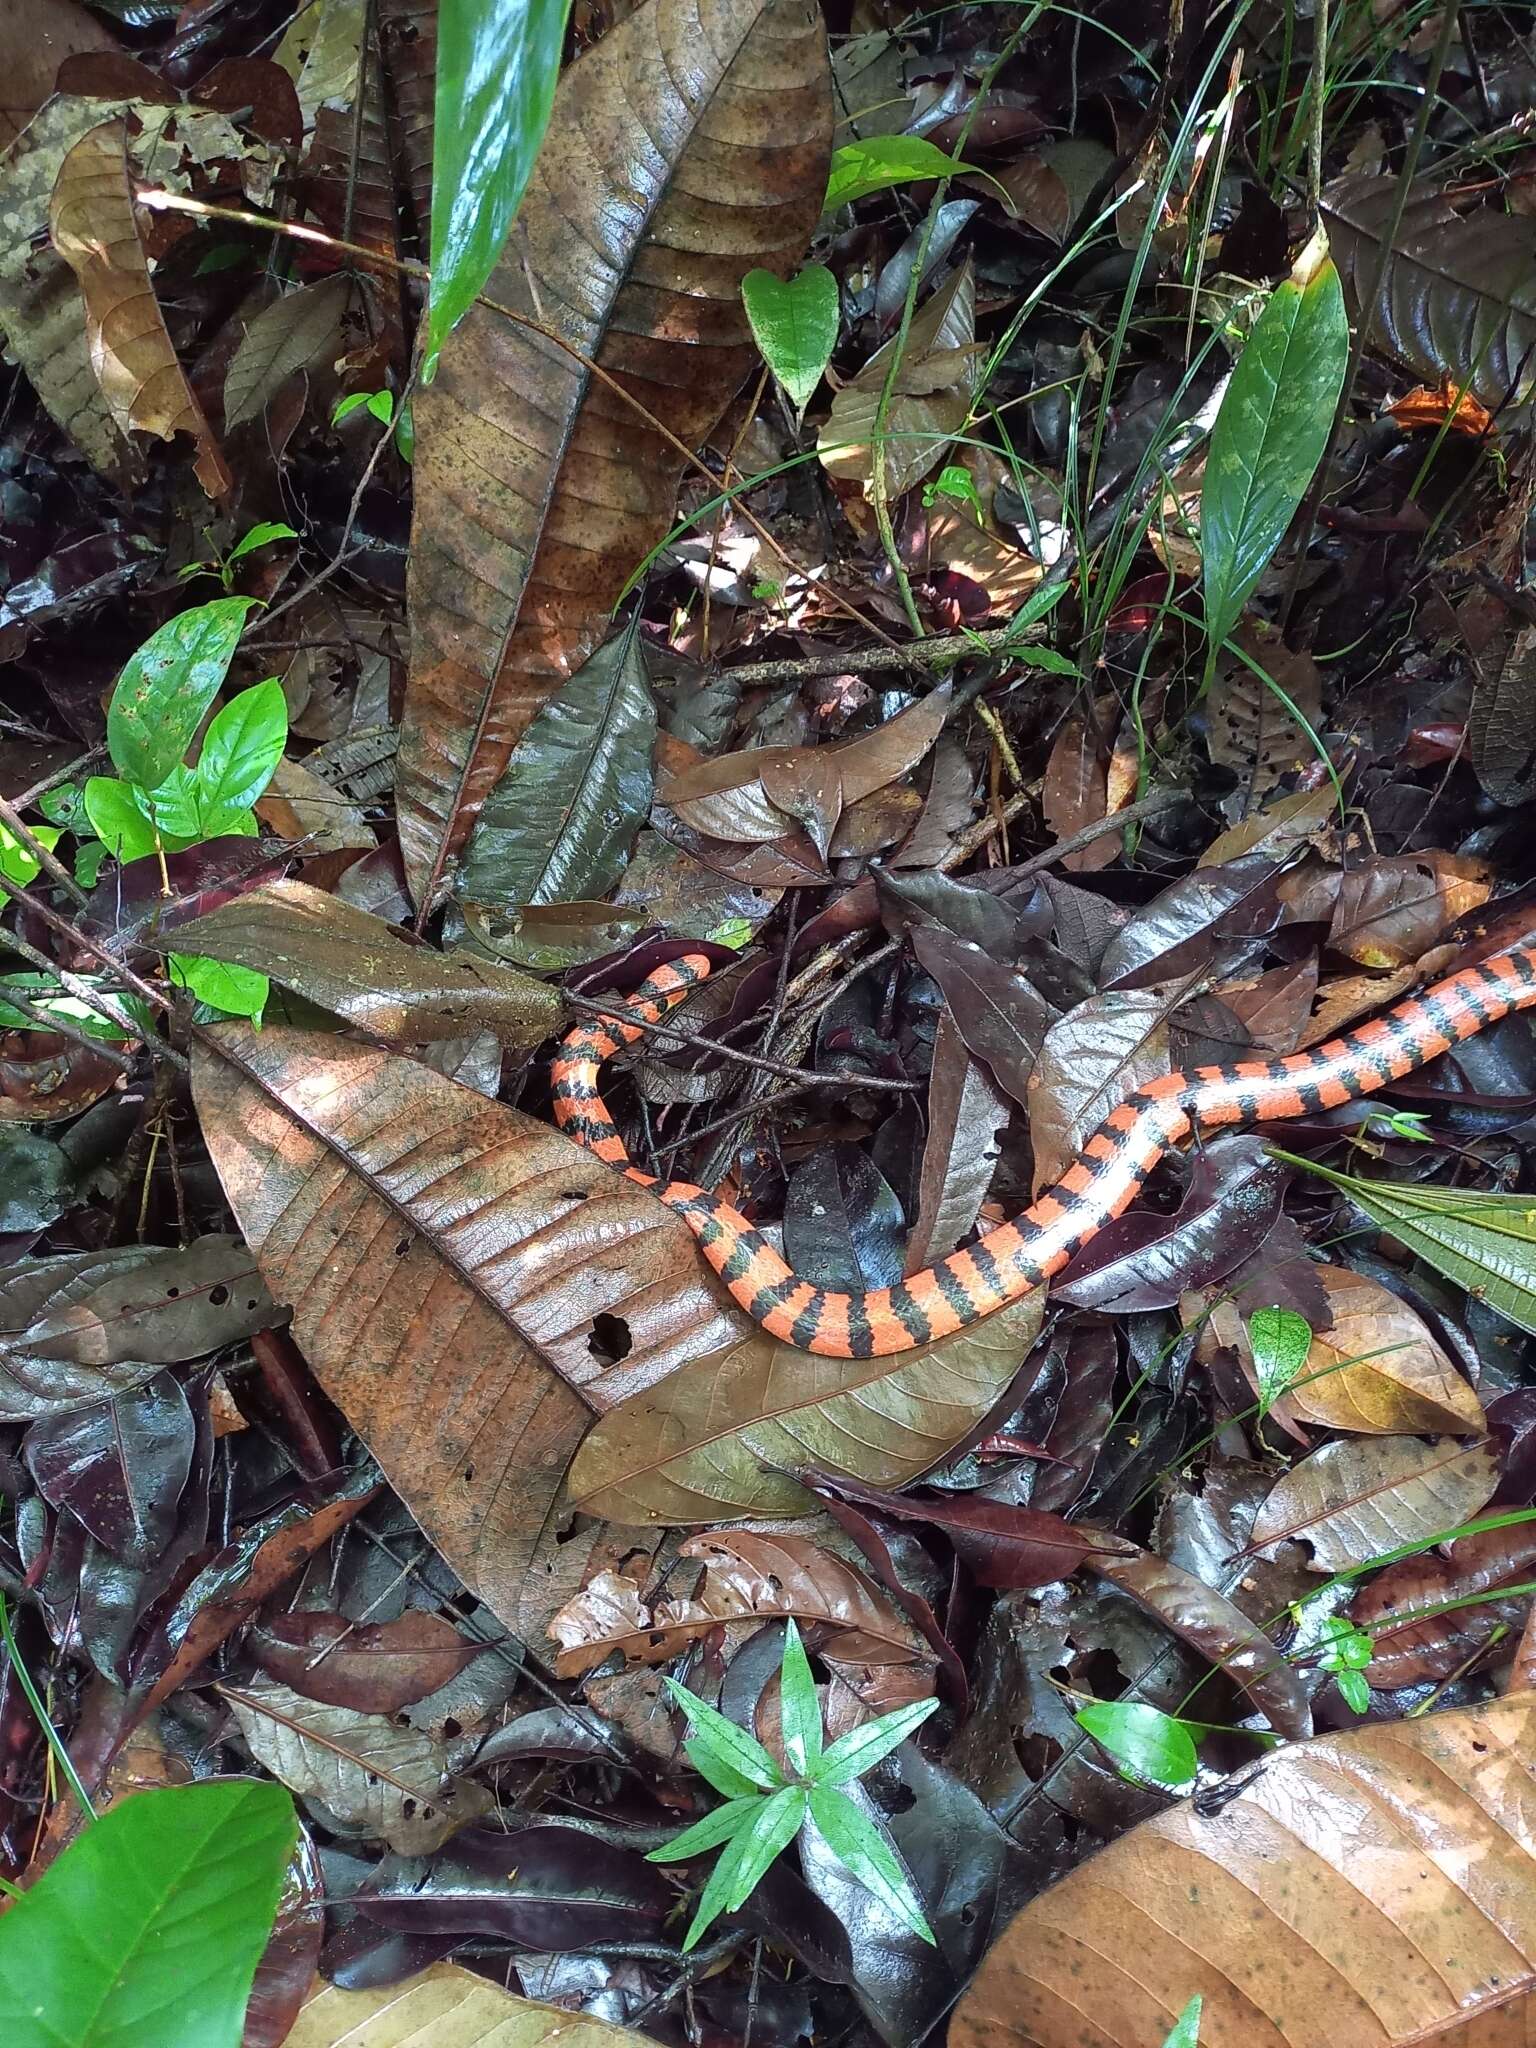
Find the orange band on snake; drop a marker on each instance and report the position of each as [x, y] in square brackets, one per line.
[1011, 1261]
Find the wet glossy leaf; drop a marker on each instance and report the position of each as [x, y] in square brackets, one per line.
[1351, 1501]
[1150, 1747]
[880, 161]
[1409, 1609]
[119, 1465]
[241, 747]
[165, 688]
[931, 401]
[38, 1181]
[1268, 438]
[162, 1907]
[794, 323]
[1485, 1243]
[373, 1667]
[558, 826]
[360, 967]
[1329, 1832]
[1281, 1341]
[843, 1226]
[1003, 1546]
[966, 1111]
[1185, 2032]
[856, 1842]
[531, 511]
[998, 1011]
[1091, 1060]
[497, 68]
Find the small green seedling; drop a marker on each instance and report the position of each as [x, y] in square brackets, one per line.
[1148, 1746]
[766, 1808]
[223, 566]
[1281, 1342]
[1345, 1651]
[380, 403]
[955, 481]
[1409, 1124]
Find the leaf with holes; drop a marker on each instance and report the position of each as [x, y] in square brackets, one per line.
[455, 1269]
[1353, 1500]
[538, 488]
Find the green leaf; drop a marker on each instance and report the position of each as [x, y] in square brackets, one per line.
[712, 1830]
[720, 1774]
[166, 687]
[862, 1848]
[747, 1856]
[1281, 1340]
[1185, 2031]
[1354, 1690]
[149, 1927]
[954, 481]
[239, 991]
[1268, 439]
[741, 1752]
[173, 807]
[498, 62]
[116, 818]
[799, 1708]
[381, 404]
[1149, 1746]
[1485, 1243]
[17, 862]
[47, 994]
[794, 323]
[60, 804]
[242, 748]
[259, 537]
[1046, 659]
[879, 161]
[862, 1748]
[558, 826]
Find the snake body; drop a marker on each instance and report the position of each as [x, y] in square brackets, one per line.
[1011, 1261]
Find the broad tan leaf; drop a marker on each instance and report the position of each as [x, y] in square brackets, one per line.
[1092, 1059]
[92, 221]
[748, 1577]
[443, 2007]
[1459, 296]
[456, 1271]
[1249, 727]
[298, 332]
[1368, 1890]
[689, 147]
[1354, 1500]
[725, 1435]
[929, 405]
[365, 1774]
[35, 38]
[1076, 793]
[1433, 1614]
[355, 964]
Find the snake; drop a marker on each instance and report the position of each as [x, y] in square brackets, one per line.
[1008, 1263]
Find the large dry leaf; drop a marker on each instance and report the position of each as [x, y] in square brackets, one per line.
[1378, 1370]
[443, 2007]
[688, 148]
[433, 1245]
[1358, 1499]
[365, 1775]
[725, 1436]
[35, 38]
[1368, 1890]
[92, 221]
[1091, 1060]
[1459, 296]
[355, 964]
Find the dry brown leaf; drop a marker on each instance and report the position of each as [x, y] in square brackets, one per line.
[92, 220]
[538, 489]
[1376, 1372]
[1368, 1890]
[430, 1240]
[1092, 1059]
[931, 400]
[299, 332]
[321, 52]
[1353, 1501]
[35, 38]
[1432, 1615]
[747, 1577]
[301, 805]
[1390, 911]
[1076, 793]
[443, 2007]
[1249, 728]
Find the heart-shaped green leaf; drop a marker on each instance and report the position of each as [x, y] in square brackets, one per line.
[794, 322]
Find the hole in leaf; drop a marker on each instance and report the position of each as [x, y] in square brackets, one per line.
[171, 1293]
[610, 1339]
[573, 1194]
[218, 1295]
[402, 1247]
[469, 1473]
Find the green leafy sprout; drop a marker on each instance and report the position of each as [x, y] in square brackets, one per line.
[223, 566]
[765, 1808]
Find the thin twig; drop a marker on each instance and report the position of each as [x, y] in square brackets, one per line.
[617, 1010]
[925, 654]
[144, 990]
[44, 1021]
[45, 857]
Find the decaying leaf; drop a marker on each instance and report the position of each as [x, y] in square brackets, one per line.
[538, 489]
[1502, 725]
[434, 1245]
[370, 1667]
[92, 221]
[1372, 1889]
[930, 404]
[1250, 728]
[1352, 1501]
[1459, 295]
[298, 332]
[1091, 1059]
[966, 1111]
[362, 1774]
[360, 967]
[443, 2007]
[725, 1435]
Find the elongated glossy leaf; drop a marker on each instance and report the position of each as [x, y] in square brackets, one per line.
[151, 1924]
[443, 2007]
[794, 323]
[1149, 1746]
[538, 489]
[430, 1240]
[1458, 300]
[166, 687]
[357, 965]
[497, 67]
[1370, 1890]
[859, 168]
[1268, 438]
[724, 1436]
[1355, 1499]
[1485, 1243]
[558, 826]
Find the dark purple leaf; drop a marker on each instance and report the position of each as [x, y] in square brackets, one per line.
[1005, 1547]
[1001, 1016]
[1077, 1430]
[372, 1667]
[1512, 1424]
[129, 901]
[843, 1226]
[287, 1966]
[925, 899]
[1178, 931]
[568, 1734]
[918, 1610]
[119, 1466]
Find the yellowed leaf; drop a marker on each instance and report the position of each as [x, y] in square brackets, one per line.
[444, 2007]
